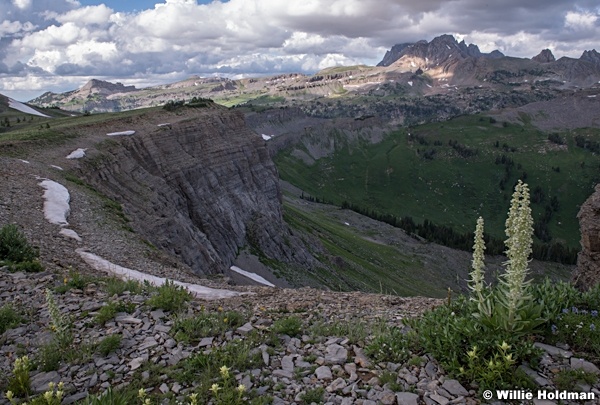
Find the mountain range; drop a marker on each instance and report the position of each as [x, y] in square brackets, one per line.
[438, 67]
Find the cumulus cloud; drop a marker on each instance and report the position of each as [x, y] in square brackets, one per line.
[64, 43]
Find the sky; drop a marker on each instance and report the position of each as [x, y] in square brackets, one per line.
[58, 45]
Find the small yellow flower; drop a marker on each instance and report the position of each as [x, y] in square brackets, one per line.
[220, 309]
[66, 280]
[215, 388]
[224, 371]
[225, 320]
[241, 388]
[194, 399]
[9, 395]
[142, 393]
[505, 346]
[148, 401]
[509, 358]
[48, 396]
[51, 386]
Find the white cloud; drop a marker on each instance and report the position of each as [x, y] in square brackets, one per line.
[22, 4]
[580, 20]
[177, 38]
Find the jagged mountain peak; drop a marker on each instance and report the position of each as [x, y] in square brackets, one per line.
[545, 56]
[591, 56]
[440, 48]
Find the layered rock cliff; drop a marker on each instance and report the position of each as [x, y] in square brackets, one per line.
[201, 186]
[587, 273]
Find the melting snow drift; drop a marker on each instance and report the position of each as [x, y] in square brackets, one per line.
[252, 276]
[199, 291]
[69, 233]
[121, 133]
[77, 154]
[266, 137]
[56, 204]
[17, 105]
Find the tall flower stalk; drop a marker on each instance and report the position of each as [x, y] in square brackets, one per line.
[519, 230]
[478, 263]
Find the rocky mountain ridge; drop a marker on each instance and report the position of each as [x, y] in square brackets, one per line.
[440, 67]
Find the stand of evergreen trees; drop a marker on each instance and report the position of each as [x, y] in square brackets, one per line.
[444, 235]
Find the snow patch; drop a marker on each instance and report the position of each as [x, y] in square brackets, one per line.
[77, 154]
[412, 64]
[121, 133]
[428, 85]
[252, 276]
[199, 291]
[69, 233]
[17, 105]
[592, 96]
[346, 223]
[266, 137]
[57, 167]
[410, 84]
[164, 124]
[448, 46]
[24, 161]
[56, 204]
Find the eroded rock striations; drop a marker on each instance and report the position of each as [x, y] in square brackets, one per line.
[201, 187]
[587, 273]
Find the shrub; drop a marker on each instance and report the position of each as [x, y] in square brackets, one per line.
[109, 344]
[9, 318]
[291, 326]
[16, 252]
[108, 311]
[206, 324]
[170, 297]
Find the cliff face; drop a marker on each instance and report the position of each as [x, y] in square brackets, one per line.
[588, 260]
[201, 187]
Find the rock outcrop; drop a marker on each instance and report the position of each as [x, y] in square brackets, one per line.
[588, 261]
[201, 186]
[545, 56]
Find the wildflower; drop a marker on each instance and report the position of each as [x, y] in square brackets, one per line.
[142, 393]
[215, 388]
[48, 396]
[224, 371]
[9, 395]
[574, 310]
[472, 353]
[220, 309]
[194, 399]
[594, 313]
[476, 282]
[66, 281]
[509, 358]
[241, 388]
[225, 320]
[592, 327]
[504, 346]
[554, 329]
[565, 311]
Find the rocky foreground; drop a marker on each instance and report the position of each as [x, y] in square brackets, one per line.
[326, 358]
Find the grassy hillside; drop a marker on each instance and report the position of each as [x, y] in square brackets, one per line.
[450, 173]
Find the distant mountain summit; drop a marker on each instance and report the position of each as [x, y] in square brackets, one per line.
[545, 56]
[591, 56]
[95, 86]
[439, 49]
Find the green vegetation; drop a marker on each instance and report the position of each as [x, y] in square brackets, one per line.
[486, 336]
[441, 177]
[291, 326]
[109, 344]
[108, 311]
[16, 252]
[193, 329]
[9, 318]
[170, 297]
[361, 263]
[314, 395]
